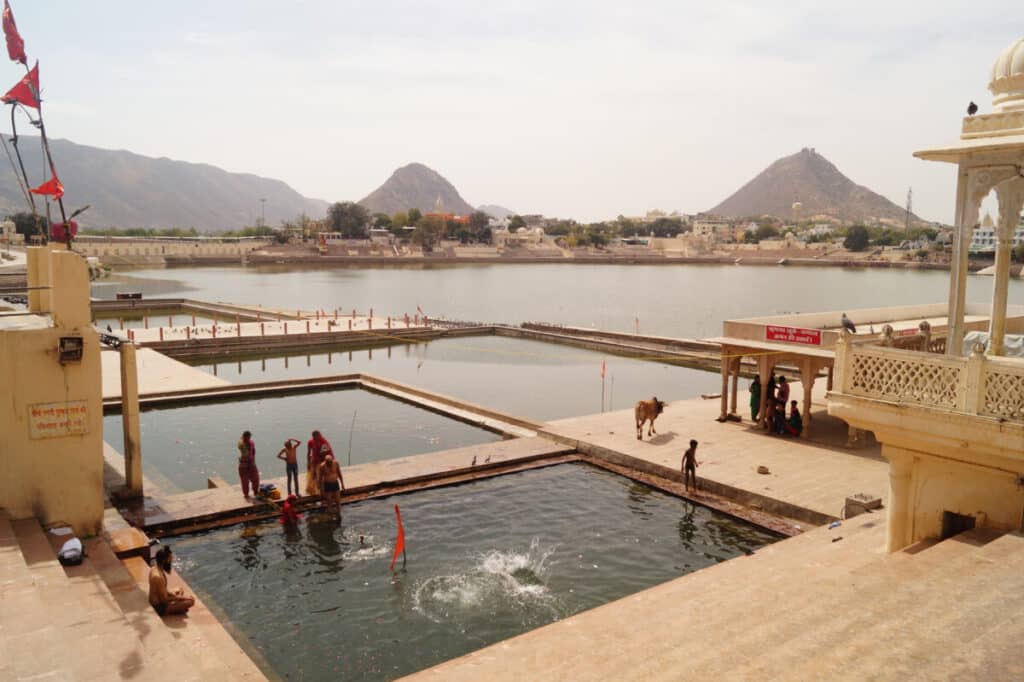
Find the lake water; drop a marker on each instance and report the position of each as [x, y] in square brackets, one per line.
[183, 446]
[486, 561]
[672, 300]
[525, 378]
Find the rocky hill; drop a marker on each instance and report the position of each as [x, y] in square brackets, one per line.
[496, 211]
[811, 179]
[130, 190]
[415, 186]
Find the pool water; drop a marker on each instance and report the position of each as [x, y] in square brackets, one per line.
[183, 446]
[525, 378]
[486, 561]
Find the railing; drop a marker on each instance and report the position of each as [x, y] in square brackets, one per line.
[986, 386]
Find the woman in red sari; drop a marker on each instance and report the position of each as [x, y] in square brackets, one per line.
[317, 448]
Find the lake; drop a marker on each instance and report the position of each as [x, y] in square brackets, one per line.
[673, 300]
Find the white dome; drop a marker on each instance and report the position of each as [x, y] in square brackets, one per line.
[1007, 83]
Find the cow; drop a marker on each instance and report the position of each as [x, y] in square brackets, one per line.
[647, 410]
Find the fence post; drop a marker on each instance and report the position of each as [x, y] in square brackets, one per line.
[214, 329]
[145, 321]
[307, 326]
[188, 332]
[286, 328]
[350, 325]
[262, 330]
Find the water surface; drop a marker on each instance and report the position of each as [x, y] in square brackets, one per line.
[673, 300]
[525, 378]
[183, 446]
[486, 561]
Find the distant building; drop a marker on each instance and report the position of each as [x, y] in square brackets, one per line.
[712, 228]
[983, 240]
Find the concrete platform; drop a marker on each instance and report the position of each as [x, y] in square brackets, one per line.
[157, 374]
[816, 474]
[161, 509]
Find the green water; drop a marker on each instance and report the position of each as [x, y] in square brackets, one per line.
[486, 561]
[671, 300]
[525, 378]
[184, 446]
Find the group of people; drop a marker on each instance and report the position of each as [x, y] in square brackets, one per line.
[323, 473]
[776, 399]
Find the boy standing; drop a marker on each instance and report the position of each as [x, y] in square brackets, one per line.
[291, 463]
[690, 466]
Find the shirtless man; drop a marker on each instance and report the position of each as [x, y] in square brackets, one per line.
[333, 483]
[690, 466]
[166, 602]
[291, 463]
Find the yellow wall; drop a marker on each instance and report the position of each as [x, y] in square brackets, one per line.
[937, 485]
[54, 478]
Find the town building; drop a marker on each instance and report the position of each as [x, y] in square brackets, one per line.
[984, 239]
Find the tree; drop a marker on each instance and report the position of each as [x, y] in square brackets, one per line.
[515, 222]
[349, 219]
[666, 227]
[478, 222]
[399, 220]
[766, 231]
[381, 220]
[1018, 253]
[25, 223]
[414, 216]
[856, 238]
[427, 232]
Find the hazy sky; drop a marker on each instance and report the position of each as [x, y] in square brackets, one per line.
[575, 109]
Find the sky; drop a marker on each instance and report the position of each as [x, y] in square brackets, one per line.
[585, 110]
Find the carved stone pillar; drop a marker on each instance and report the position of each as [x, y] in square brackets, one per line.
[726, 362]
[973, 185]
[1011, 200]
[735, 383]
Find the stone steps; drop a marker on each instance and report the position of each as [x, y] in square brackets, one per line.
[802, 609]
[93, 621]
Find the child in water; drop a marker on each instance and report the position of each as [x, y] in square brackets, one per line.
[289, 517]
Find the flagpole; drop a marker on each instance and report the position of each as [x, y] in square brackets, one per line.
[49, 159]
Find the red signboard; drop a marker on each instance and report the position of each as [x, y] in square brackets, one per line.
[910, 331]
[807, 337]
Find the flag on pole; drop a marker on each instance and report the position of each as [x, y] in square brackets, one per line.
[15, 45]
[419, 310]
[25, 91]
[51, 187]
[399, 542]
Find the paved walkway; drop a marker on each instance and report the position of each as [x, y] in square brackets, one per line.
[812, 474]
[159, 508]
[157, 374]
[271, 327]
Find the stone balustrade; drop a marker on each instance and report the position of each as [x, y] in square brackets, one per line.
[975, 385]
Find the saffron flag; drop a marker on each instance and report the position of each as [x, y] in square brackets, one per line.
[15, 45]
[400, 541]
[26, 91]
[51, 187]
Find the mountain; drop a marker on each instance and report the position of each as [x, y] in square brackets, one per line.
[495, 211]
[415, 186]
[811, 179]
[129, 190]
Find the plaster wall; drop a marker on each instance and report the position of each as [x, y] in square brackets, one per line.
[937, 485]
[58, 477]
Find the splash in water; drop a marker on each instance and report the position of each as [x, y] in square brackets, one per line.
[513, 582]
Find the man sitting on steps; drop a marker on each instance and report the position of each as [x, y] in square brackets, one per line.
[163, 601]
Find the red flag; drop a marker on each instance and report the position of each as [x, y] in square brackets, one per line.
[51, 187]
[26, 90]
[400, 542]
[15, 45]
[602, 369]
